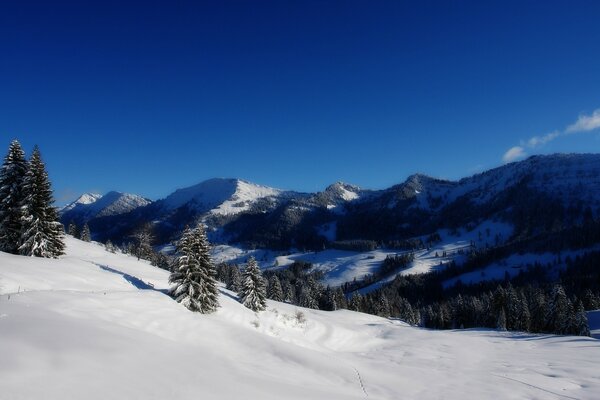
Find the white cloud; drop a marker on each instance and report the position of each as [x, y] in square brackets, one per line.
[585, 123]
[542, 140]
[513, 154]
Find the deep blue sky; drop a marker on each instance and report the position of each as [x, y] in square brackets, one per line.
[151, 96]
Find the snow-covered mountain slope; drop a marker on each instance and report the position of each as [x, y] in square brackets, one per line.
[97, 325]
[90, 206]
[84, 199]
[341, 266]
[220, 196]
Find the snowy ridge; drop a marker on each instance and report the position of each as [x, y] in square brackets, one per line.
[86, 198]
[97, 325]
[220, 196]
[90, 206]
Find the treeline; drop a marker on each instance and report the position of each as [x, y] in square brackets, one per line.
[533, 301]
[294, 284]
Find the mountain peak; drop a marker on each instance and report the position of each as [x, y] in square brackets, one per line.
[219, 195]
[91, 205]
[86, 198]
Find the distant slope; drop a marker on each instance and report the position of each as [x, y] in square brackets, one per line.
[89, 206]
[97, 325]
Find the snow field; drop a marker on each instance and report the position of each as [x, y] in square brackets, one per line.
[76, 330]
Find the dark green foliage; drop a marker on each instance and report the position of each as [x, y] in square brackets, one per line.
[12, 177]
[42, 235]
[274, 290]
[86, 235]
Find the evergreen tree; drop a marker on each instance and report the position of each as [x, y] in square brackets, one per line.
[253, 293]
[144, 237]
[72, 230]
[235, 279]
[501, 324]
[356, 301]
[109, 246]
[86, 235]
[12, 177]
[193, 274]
[383, 305]
[581, 326]
[42, 235]
[289, 294]
[557, 318]
[307, 299]
[275, 292]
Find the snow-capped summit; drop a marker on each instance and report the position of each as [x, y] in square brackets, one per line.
[90, 206]
[220, 196]
[344, 191]
[86, 198]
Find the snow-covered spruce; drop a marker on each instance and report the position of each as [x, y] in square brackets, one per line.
[275, 292]
[12, 176]
[86, 235]
[42, 235]
[193, 274]
[253, 293]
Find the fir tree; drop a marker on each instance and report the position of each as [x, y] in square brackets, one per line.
[253, 293]
[235, 279]
[86, 235]
[12, 177]
[581, 326]
[72, 230]
[307, 298]
[288, 292]
[193, 274]
[42, 235]
[501, 324]
[275, 292]
[355, 303]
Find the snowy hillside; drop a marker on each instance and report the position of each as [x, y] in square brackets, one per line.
[98, 325]
[90, 206]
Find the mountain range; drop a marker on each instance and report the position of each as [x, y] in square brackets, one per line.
[535, 195]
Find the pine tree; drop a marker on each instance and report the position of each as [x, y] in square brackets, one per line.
[557, 318]
[86, 235]
[501, 324]
[235, 279]
[275, 292]
[72, 230]
[12, 177]
[42, 235]
[307, 298]
[193, 274]
[253, 293]
[581, 326]
[383, 306]
[109, 246]
[356, 301]
[289, 294]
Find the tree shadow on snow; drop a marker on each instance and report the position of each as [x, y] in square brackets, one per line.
[135, 281]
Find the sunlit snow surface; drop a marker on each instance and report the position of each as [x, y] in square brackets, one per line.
[96, 325]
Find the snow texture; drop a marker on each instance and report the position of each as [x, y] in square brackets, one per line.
[98, 325]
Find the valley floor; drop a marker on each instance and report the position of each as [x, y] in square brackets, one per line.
[97, 325]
